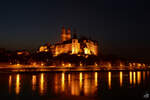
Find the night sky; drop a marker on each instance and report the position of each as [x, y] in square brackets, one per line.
[122, 27]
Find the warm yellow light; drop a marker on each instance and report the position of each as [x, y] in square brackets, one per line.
[139, 65]
[80, 77]
[75, 46]
[109, 65]
[42, 64]
[41, 83]
[46, 50]
[130, 77]
[96, 79]
[90, 85]
[134, 78]
[18, 64]
[81, 64]
[79, 55]
[33, 82]
[63, 81]
[63, 64]
[138, 77]
[144, 65]
[109, 80]
[86, 56]
[19, 53]
[121, 78]
[34, 64]
[17, 84]
[86, 85]
[133, 64]
[75, 88]
[43, 49]
[69, 65]
[87, 51]
[96, 64]
[121, 65]
[130, 64]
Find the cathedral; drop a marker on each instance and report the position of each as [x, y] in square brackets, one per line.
[71, 44]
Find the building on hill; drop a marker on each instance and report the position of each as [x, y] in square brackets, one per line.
[71, 45]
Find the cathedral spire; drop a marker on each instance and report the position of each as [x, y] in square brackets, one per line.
[63, 34]
[68, 37]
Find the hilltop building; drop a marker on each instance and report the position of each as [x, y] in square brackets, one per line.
[71, 44]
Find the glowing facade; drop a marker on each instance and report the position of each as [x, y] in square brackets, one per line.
[72, 45]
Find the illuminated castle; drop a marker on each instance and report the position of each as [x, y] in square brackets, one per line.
[72, 45]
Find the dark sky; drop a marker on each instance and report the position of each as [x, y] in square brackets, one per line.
[121, 26]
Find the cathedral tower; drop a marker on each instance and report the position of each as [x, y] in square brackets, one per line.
[68, 36]
[63, 34]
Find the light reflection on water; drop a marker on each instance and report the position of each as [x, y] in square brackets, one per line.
[144, 76]
[131, 77]
[80, 80]
[121, 78]
[10, 83]
[17, 84]
[33, 82]
[134, 78]
[109, 80]
[138, 77]
[63, 81]
[96, 79]
[73, 83]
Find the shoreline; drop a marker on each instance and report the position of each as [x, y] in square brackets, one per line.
[27, 68]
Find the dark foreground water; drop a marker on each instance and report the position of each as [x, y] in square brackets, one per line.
[121, 85]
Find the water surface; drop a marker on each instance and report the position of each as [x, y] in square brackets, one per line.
[75, 85]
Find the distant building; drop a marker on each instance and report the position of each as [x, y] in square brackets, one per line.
[72, 45]
[23, 52]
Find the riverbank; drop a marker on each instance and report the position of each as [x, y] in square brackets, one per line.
[38, 68]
